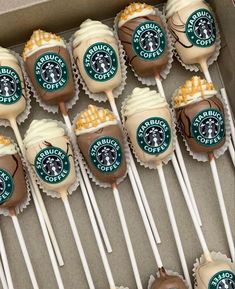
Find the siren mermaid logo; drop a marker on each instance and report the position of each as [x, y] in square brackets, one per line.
[6, 186]
[200, 28]
[106, 154]
[148, 40]
[51, 71]
[100, 61]
[154, 135]
[52, 165]
[208, 127]
[10, 85]
[222, 280]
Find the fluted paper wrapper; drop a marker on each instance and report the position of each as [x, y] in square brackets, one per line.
[90, 174]
[24, 115]
[216, 256]
[169, 272]
[20, 207]
[101, 96]
[203, 157]
[73, 187]
[55, 108]
[149, 81]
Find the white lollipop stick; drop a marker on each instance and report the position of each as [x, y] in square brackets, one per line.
[181, 161]
[68, 210]
[222, 205]
[173, 223]
[35, 191]
[3, 277]
[136, 175]
[24, 251]
[88, 189]
[5, 263]
[232, 152]
[127, 236]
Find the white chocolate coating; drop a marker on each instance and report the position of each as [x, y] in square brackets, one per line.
[174, 6]
[5, 54]
[6, 147]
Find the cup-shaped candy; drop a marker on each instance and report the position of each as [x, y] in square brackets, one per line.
[13, 189]
[95, 50]
[12, 88]
[49, 152]
[200, 115]
[149, 125]
[192, 25]
[48, 65]
[165, 281]
[101, 141]
[142, 34]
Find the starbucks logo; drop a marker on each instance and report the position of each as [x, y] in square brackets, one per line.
[200, 28]
[208, 127]
[106, 154]
[100, 61]
[52, 165]
[6, 186]
[154, 135]
[10, 85]
[51, 71]
[149, 40]
[222, 280]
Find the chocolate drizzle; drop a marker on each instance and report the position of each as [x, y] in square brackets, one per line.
[17, 165]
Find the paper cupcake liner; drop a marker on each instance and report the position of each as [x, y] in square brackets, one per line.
[90, 174]
[203, 157]
[151, 166]
[20, 207]
[24, 115]
[73, 187]
[101, 96]
[149, 81]
[212, 59]
[215, 256]
[55, 108]
[169, 272]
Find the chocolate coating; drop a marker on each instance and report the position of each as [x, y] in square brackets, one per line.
[167, 282]
[185, 116]
[12, 164]
[85, 141]
[144, 68]
[61, 95]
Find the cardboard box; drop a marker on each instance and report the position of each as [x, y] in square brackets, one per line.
[18, 19]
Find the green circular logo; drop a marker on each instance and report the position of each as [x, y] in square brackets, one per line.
[222, 280]
[10, 85]
[6, 186]
[208, 127]
[52, 165]
[200, 28]
[149, 40]
[100, 61]
[154, 135]
[106, 154]
[51, 71]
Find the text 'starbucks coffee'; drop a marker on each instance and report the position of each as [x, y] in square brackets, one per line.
[222, 280]
[154, 135]
[10, 86]
[6, 186]
[52, 165]
[100, 61]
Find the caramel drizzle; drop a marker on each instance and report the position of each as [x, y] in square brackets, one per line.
[132, 8]
[4, 140]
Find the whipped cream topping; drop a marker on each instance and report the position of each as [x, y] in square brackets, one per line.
[134, 10]
[174, 6]
[42, 130]
[94, 118]
[91, 29]
[192, 91]
[41, 39]
[6, 146]
[143, 99]
[5, 54]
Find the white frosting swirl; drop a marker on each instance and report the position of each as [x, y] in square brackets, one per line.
[7, 147]
[41, 130]
[5, 54]
[174, 6]
[91, 29]
[143, 99]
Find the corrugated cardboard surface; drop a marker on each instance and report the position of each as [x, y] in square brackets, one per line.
[72, 273]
